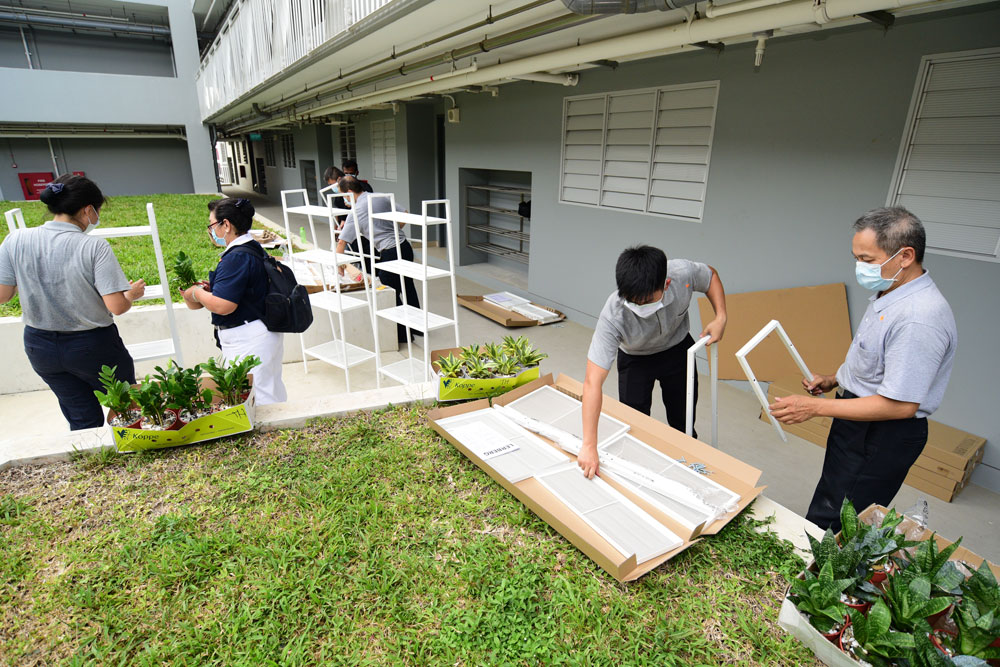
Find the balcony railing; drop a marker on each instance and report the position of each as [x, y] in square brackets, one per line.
[263, 37]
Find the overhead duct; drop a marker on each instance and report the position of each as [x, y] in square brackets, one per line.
[592, 7]
[24, 18]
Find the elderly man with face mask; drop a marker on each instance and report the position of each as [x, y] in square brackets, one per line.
[894, 377]
[644, 325]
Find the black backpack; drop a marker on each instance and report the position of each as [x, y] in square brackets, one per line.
[286, 306]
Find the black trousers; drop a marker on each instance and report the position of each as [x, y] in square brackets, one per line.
[70, 361]
[866, 462]
[637, 374]
[403, 251]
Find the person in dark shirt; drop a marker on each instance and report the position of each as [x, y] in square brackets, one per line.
[235, 296]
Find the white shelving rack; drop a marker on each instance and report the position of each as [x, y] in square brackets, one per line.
[15, 220]
[311, 211]
[410, 370]
[166, 347]
[336, 352]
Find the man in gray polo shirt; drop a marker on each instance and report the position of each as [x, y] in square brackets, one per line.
[644, 325]
[894, 377]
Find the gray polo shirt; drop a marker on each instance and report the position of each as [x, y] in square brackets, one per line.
[61, 275]
[385, 237]
[618, 327]
[904, 347]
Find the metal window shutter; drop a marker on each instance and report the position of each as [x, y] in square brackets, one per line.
[583, 146]
[950, 177]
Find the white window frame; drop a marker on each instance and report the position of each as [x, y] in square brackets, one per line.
[288, 151]
[380, 164]
[902, 156]
[657, 90]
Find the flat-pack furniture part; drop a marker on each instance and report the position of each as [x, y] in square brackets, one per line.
[797, 625]
[692, 368]
[741, 357]
[506, 317]
[726, 470]
[816, 318]
[15, 220]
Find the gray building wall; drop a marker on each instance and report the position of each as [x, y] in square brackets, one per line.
[52, 96]
[86, 52]
[801, 148]
[118, 166]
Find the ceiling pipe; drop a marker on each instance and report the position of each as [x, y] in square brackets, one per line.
[545, 77]
[713, 11]
[24, 18]
[592, 7]
[793, 13]
[88, 135]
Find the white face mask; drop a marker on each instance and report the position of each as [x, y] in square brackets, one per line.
[645, 309]
[92, 225]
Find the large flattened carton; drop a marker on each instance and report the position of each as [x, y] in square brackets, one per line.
[231, 421]
[458, 389]
[725, 470]
[793, 622]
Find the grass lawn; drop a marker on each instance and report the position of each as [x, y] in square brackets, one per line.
[181, 220]
[363, 540]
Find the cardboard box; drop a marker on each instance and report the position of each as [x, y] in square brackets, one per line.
[237, 419]
[815, 318]
[457, 389]
[796, 624]
[726, 470]
[507, 318]
[942, 470]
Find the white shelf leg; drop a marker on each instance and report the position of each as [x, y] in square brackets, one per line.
[161, 269]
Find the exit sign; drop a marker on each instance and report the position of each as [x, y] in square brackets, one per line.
[255, 136]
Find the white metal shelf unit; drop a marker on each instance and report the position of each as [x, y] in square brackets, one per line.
[166, 347]
[337, 352]
[410, 370]
[479, 235]
[15, 220]
[326, 212]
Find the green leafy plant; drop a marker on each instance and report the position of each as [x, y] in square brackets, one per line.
[151, 400]
[512, 346]
[504, 365]
[493, 351]
[232, 380]
[529, 357]
[117, 394]
[849, 561]
[909, 600]
[450, 366]
[183, 269]
[479, 369]
[927, 561]
[976, 632]
[819, 598]
[469, 353]
[982, 590]
[877, 644]
[926, 654]
[182, 387]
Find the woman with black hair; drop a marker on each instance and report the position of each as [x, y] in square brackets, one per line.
[235, 297]
[71, 286]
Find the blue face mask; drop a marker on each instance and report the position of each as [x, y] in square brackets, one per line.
[870, 275]
[218, 241]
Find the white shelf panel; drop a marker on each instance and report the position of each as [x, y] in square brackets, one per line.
[414, 318]
[328, 300]
[325, 257]
[332, 352]
[312, 209]
[154, 349]
[407, 371]
[152, 292]
[409, 218]
[413, 270]
[115, 232]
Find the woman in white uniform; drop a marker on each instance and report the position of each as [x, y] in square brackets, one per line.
[235, 297]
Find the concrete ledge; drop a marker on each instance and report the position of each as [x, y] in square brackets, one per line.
[43, 449]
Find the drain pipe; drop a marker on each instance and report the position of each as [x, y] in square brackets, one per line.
[84, 24]
[52, 154]
[655, 40]
[591, 7]
[712, 10]
[545, 77]
[27, 53]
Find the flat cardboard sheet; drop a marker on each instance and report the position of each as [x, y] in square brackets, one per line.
[726, 470]
[507, 318]
[815, 318]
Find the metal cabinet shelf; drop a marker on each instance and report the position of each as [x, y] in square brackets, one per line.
[485, 233]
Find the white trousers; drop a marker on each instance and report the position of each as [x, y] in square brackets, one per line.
[254, 338]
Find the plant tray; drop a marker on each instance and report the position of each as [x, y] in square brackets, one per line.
[456, 389]
[237, 419]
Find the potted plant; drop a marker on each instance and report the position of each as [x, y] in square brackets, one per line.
[977, 632]
[528, 356]
[847, 562]
[873, 640]
[818, 597]
[450, 366]
[934, 564]
[982, 591]
[909, 599]
[184, 395]
[232, 382]
[152, 402]
[505, 366]
[878, 541]
[117, 397]
[478, 368]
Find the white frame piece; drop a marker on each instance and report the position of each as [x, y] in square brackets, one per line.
[741, 356]
[623, 428]
[15, 220]
[692, 368]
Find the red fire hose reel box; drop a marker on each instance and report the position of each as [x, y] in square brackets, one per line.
[33, 183]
